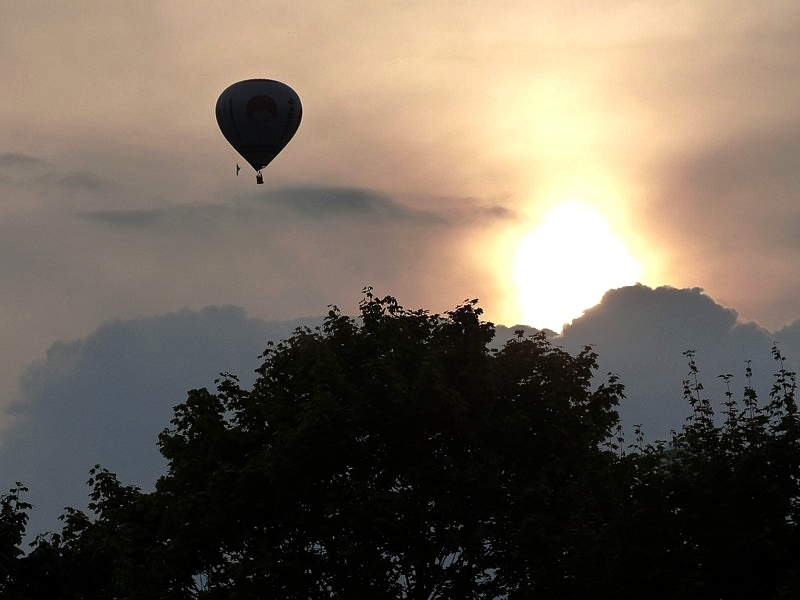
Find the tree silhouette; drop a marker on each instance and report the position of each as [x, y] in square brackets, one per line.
[398, 455]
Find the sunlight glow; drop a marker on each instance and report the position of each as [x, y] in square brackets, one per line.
[566, 264]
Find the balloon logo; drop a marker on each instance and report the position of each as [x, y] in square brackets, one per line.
[261, 111]
[258, 117]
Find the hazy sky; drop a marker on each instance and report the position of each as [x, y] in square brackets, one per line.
[436, 137]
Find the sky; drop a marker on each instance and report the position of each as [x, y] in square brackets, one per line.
[532, 155]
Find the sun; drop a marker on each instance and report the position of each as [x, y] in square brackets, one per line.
[565, 265]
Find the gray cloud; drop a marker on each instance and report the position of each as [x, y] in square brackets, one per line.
[118, 199]
[95, 258]
[16, 166]
[20, 161]
[641, 333]
[168, 218]
[497, 211]
[291, 203]
[76, 180]
[104, 399]
[326, 202]
[35, 172]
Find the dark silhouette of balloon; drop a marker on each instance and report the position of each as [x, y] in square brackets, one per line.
[259, 117]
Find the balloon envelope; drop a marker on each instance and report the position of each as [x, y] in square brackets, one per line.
[259, 117]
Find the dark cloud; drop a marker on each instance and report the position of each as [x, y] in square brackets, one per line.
[308, 205]
[305, 203]
[327, 202]
[789, 339]
[497, 212]
[653, 313]
[259, 251]
[15, 166]
[77, 180]
[452, 211]
[169, 218]
[35, 171]
[104, 399]
[17, 160]
[139, 218]
[642, 333]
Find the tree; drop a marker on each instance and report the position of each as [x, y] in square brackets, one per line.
[731, 491]
[13, 519]
[395, 455]
[713, 512]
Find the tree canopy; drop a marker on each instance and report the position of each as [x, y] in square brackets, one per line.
[399, 455]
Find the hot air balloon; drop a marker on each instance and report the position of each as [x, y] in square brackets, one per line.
[258, 117]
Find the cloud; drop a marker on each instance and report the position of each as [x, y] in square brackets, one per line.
[104, 399]
[430, 132]
[166, 218]
[19, 161]
[306, 203]
[71, 262]
[16, 167]
[250, 250]
[284, 204]
[76, 180]
[325, 202]
[24, 170]
[641, 334]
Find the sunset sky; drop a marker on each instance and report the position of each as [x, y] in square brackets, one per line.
[529, 154]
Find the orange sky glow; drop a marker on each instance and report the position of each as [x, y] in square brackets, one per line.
[464, 125]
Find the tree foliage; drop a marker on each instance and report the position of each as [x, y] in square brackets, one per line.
[398, 455]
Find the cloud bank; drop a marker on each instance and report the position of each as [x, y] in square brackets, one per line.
[105, 397]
